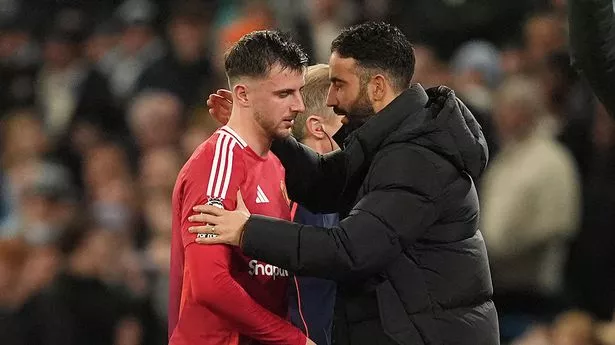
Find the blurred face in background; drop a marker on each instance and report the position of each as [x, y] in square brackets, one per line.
[13, 255]
[59, 54]
[99, 44]
[158, 214]
[543, 36]
[135, 37]
[22, 138]
[159, 169]
[155, 120]
[188, 37]
[103, 164]
[518, 107]
[511, 120]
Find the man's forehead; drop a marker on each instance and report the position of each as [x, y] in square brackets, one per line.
[284, 77]
[339, 66]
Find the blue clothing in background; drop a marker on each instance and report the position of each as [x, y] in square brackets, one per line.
[317, 295]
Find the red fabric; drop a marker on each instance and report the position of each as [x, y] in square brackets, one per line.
[218, 295]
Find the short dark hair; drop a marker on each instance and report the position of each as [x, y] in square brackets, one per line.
[378, 46]
[257, 52]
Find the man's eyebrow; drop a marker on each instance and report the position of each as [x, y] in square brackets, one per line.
[277, 92]
[336, 80]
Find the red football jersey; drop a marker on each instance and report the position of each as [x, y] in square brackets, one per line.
[218, 296]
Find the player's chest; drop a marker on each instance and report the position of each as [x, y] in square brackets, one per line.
[264, 192]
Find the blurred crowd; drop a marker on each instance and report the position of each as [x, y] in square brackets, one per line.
[101, 102]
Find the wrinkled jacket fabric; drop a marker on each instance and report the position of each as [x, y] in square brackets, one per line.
[408, 257]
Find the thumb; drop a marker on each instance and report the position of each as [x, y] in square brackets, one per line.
[241, 206]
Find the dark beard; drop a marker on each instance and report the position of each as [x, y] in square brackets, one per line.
[358, 114]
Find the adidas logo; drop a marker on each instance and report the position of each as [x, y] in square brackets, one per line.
[261, 198]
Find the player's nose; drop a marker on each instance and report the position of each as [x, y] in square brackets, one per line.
[299, 105]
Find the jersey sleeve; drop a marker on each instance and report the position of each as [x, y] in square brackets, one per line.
[215, 179]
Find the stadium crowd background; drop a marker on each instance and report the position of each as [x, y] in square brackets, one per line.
[101, 102]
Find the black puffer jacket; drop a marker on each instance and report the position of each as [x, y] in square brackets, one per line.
[592, 39]
[409, 259]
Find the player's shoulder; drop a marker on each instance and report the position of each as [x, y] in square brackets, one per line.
[223, 149]
[222, 144]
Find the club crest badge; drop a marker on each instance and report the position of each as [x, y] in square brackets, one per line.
[217, 202]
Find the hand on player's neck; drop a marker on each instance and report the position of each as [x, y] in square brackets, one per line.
[244, 124]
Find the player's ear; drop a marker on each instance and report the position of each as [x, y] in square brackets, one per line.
[314, 126]
[240, 94]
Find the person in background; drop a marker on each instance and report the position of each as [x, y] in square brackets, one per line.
[528, 214]
[315, 128]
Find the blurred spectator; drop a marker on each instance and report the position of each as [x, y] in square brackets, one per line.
[430, 70]
[570, 328]
[476, 66]
[530, 207]
[447, 23]
[476, 69]
[200, 126]
[69, 91]
[101, 42]
[138, 49]
[104, 164]
[572, 103]
[22, 141]
[19, 59]
[155, 119]
[158, 171]
[95, 312]
[544, 34]
[324, 21]
[25, 318]
[23, 137]
[48, 204]
[13, 256]
[185, 70]
[252, 15]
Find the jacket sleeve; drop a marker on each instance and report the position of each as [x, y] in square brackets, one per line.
[313, 180]
[317, 181]
[391, 215]
[592, 39]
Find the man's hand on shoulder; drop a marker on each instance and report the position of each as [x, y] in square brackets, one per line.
[220, 105]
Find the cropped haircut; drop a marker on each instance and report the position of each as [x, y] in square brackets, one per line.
[378, 48]
[255, 54]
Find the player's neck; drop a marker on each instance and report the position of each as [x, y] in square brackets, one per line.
[250, 131]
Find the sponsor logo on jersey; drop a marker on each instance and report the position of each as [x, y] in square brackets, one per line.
[259, 269]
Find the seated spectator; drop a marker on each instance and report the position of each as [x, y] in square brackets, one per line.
[530, 207]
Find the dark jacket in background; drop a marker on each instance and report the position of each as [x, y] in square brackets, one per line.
[591, 268]
[592, 39]
[410, 263]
